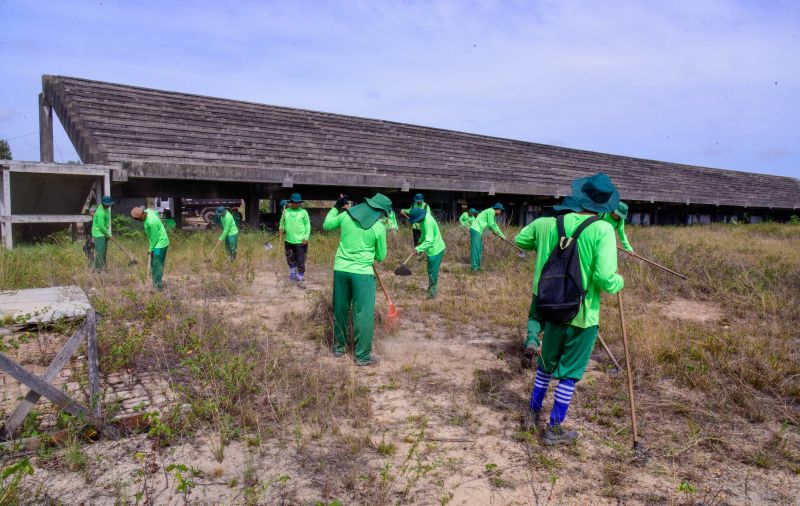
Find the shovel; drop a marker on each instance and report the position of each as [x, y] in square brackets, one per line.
[520, 252]
[131, 257]
[403, 270]
[392, 316]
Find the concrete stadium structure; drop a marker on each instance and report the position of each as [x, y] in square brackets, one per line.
[181, 145]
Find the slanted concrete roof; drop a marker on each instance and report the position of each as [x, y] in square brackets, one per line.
[163, 134]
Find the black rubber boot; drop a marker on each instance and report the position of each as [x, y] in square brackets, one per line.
[556, 435]
[374, 360]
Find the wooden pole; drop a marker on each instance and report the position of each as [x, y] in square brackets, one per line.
[608, 352]
[94, 364]
[32, 397]
[634, 255]
[629, 372]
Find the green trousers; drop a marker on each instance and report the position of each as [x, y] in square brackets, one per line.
[100, 248]
[534, 326]
[566, 350]
[434, 262]
[230, 245]
[358, 291]
[157, 259]
[475, 248]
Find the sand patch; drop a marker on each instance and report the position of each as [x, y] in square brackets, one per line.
[692, 310]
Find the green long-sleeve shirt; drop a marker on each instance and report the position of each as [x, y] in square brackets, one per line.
[296, 225]
[486, 218]
[229, 227]
[391, 221]
[358, 248]
[598, 252]
[101, 222]
[466, 220]
[155, 231]
[430, 241]
[619, 226]
[421, 205]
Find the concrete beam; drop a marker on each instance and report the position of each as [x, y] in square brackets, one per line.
[50, 218]
[75, 169]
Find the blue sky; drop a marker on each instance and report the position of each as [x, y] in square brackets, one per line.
[713, 83]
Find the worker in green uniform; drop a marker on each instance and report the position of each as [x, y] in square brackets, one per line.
[532, 347]
[230, 232]
[362, 242]
[296, 227]
[617, 220]
[430, 243]
[390, 222]
[419, 202]
[158, 242]
[568, 346]
[486, 218]
[101, 232]
[467, 218]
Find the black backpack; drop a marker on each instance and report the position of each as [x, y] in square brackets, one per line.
[561, 291]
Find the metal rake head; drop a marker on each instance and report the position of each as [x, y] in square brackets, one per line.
[402, 271]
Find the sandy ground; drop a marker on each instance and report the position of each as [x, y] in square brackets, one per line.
[448, 405]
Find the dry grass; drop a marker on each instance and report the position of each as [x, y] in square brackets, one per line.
[729, 388]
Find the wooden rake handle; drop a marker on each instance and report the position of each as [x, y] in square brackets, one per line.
[629, 372]
[123, 249]
[511, 243]
[213, 251]
[643, 259]
[409, 257]
[388, 299]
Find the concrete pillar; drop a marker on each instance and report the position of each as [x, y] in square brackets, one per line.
[177, 212]
[251, 208]
[5, 209]
[45, 129]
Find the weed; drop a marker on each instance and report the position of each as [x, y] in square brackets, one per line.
[10, 479]
[183, 478]
[385, 449]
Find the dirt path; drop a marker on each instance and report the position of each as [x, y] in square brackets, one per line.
[444, 430]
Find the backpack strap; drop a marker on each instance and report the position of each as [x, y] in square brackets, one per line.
[583, 226]
[564, 241]
[560, 226]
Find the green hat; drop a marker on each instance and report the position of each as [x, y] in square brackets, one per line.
[380, 202]
[220, 211]
[371, 210]
[283, 203]
[499, 206]
[622, 210]
[416, 215]
[296, 198]
[419, 198]
[596, 193]
[568, 204]
[472, 210]
[107, 201]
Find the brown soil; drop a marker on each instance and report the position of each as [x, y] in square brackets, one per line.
[450, 404]
[692, 310]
